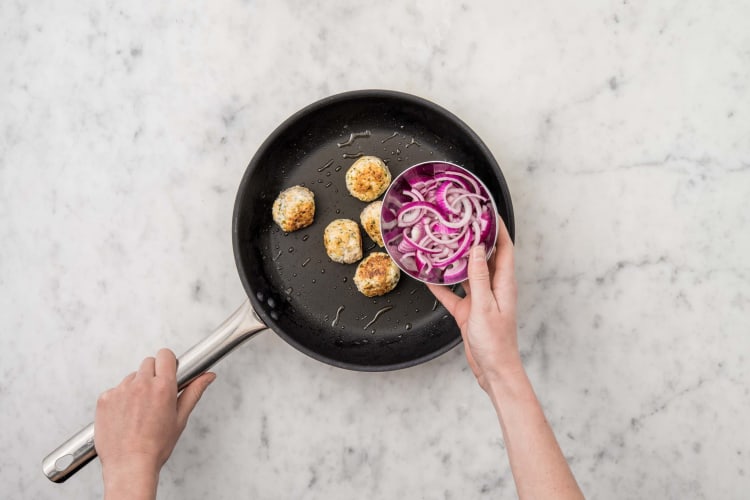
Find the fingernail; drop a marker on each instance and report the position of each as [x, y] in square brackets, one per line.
[211, 379]
[477, 253]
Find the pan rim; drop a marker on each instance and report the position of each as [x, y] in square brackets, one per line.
[274, 136]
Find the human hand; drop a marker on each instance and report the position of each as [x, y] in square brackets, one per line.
[137, 424]
[487, 315]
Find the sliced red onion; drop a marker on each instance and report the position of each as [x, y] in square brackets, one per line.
[391, 234]
[456, 271]
[441, 199]
[447, 177]
[424, 264]
[421, 183]
[465, 217]
[477, 233]
[472, 183]
[442, 229]
[405, 246]
[426, 241]
[408, 261]
[445, 252]
[485, 224]
[460, 252]
[416, 232]
[414, 245]
[411, 213]
[445, 239]
[414, 194]
[439, 219]
[476, 199]
[387, 225]
[388, 216]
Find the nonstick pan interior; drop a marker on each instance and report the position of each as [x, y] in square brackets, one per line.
[294, 287]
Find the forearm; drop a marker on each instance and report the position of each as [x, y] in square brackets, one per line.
[538, 465]
[130, 481]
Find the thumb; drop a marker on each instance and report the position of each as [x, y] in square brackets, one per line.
[191, 395]
[479, 277]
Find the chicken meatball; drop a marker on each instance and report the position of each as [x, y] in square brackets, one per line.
[368, 178]
[342, 241]
[376, 275]
[370, 218]
[294, 208]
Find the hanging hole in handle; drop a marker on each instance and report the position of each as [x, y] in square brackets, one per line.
[63, 462]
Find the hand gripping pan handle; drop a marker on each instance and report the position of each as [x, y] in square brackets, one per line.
[76, 452]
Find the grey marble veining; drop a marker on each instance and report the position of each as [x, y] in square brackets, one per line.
[623, 129]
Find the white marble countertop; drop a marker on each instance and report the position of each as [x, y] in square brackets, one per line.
[623, 129]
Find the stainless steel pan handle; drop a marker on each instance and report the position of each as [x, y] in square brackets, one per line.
[76, 452]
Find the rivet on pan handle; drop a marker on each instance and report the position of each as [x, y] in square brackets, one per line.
[76, 452]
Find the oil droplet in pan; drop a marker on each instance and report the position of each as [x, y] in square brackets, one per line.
[328, 164]
[377, 315]
[352, 137]
[338, 314]
[395, 134]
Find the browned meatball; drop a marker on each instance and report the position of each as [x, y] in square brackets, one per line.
[294, 208]
[368, 178]
[376, 275]
[370, 218]
[342, 241]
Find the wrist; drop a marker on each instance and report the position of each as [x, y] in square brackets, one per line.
[509, 381]
[502, 372]
[131, 478]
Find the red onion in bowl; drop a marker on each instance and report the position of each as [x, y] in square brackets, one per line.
[456, 271]
[436, 211]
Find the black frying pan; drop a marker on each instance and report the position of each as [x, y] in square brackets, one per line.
[293, 287]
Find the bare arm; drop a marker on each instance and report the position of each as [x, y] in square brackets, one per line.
[138, 424]
[539, 467]
[487, 318]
